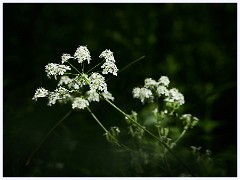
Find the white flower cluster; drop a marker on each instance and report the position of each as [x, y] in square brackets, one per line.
[109, 65]
[82, 54]
[80, 89]
[53, 69]
[143, 94]
[154, 89]
[97, 82]
[79, 103]
[40, 92]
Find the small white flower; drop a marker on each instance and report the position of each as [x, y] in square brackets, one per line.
[79, 103]
[107, 95]
[40, 92]
[64, 80]
[175, 96]
[164, 80]
[53, 69]
[97, 82]
[109, 67]
[150, 83]
[92, 96]
[61, 94]
[143, 94]
[52, 98]
[162, 90]
[82, 54]
[107, 55]
[65, 57]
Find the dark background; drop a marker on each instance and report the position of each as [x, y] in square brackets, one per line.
[195, 45]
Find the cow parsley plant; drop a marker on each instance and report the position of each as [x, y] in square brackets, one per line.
[79, 88]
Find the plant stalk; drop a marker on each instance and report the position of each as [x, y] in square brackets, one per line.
[151, 134]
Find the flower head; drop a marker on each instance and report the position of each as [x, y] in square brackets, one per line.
[107, 55]
[64, 80]
[61, 94]
[92, 96]
[162, 90]
[53, 69]
[40, 92]
[175, 96]
[150, 83]
[143, 94]
[82, 54]
[107, 95]
[65, 57]
[109, 67]
[164, 80]
[79, 103]
[97, 82]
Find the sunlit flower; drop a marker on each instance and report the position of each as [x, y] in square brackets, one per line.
[164, 80]
[107, 55]
[53, 69]
[64, 80]
[175, 96]
[61, 94]
[107, 95]
[150, 83]
[92, 96]
[143, 94]
[109, 67]
[79, 103]
[162, 90]
[65, 57]
[97, 82]
[82, 54]
[40, 92]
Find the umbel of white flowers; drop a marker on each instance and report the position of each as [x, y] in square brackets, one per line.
[72, 86]
[155, 89]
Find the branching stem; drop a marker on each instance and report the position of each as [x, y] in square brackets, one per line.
[154, 136]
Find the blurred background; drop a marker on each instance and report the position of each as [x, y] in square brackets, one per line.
[195, 45]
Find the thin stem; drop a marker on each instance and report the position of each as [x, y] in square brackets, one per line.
[127, 66]
[95, 66]
[106, 131]
[70, 74]
[74, 67]
[181, 135]
[151, 134]
[82, 64]
[45, 138]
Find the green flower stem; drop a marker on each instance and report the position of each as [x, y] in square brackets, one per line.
[159, 133]
[151, 134]
[95, 66]
[45, 138]
[82, 66]
[102, 126]
[125, 67]
[74, 67]
[106, 131]
[181, 135]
